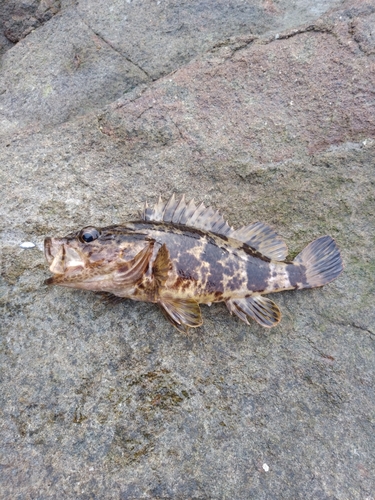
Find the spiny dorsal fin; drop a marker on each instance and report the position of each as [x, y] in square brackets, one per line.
[262, 238]
[257, 307]
[161, 266]
[154, 214]
[258, 235]
[182, 313]
[188, 214]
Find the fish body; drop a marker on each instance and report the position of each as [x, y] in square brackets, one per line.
[179, 256]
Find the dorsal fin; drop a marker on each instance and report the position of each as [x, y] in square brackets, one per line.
[262, 238]
[258, 235]
[188, 214]
[154, 214]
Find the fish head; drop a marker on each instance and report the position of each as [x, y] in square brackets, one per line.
[98, 259]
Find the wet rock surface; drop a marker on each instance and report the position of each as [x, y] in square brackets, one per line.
[268, 117]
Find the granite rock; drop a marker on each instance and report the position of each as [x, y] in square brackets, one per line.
[109, 401]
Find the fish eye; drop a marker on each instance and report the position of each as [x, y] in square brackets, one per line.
[89, 234]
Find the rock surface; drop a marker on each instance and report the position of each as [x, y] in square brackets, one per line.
[268, 114]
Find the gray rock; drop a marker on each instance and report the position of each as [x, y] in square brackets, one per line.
[67, 70]
[91, 54]
[170, 32]
[18, 19]
[109, 401]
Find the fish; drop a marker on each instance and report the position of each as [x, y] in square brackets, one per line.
[180, 255]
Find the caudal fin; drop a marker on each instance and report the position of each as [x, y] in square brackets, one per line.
[322, 262]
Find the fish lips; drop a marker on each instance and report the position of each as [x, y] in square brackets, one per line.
[49, 253]
[63, 260]
[48, 250]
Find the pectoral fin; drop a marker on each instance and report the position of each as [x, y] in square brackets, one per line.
[162, 266]
[257, 307]
[182, 313]
[131, 272]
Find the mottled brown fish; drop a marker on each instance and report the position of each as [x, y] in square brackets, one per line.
[179, 256]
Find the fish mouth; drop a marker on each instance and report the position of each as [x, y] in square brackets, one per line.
[64, 261]
[48, 250]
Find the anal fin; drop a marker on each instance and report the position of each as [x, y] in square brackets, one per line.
[182, 313]
[257, 307]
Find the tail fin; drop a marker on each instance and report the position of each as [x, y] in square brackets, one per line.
[321, 260]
